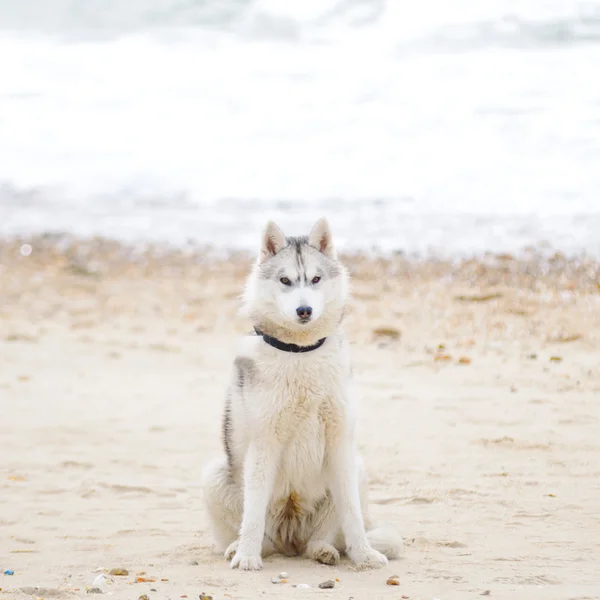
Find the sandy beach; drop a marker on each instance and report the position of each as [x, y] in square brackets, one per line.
[480, 423]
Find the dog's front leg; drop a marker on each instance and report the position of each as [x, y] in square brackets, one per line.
[260, 466]
[343, 473]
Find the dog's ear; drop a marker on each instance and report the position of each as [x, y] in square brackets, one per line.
[273, 241]
[320, 238]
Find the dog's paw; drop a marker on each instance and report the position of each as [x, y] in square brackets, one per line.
[323, 552]
[368, 559]
[231, 549]
[246, 562]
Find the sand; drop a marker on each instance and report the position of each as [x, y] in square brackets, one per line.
[480, 385]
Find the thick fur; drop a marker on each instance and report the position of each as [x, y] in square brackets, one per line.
[291, 480]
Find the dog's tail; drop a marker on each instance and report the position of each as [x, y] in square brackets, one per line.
[386, 539]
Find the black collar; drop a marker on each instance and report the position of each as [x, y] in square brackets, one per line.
[288, 347]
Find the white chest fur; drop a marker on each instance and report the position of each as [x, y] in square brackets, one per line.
[296, 400]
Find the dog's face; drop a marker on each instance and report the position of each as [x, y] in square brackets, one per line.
[298, 283]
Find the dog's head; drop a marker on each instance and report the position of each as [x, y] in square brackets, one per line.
[297, 289]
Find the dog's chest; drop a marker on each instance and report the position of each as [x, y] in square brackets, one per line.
[302, 430]
[303, 391]
[308, 405]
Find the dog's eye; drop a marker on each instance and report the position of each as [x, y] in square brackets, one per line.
[285, 281]
[316, 279]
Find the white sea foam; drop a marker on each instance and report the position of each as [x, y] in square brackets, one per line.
[458, 126]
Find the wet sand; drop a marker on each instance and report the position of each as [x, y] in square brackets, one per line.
[480, 385]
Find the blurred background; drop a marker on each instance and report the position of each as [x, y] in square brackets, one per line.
[423, 127]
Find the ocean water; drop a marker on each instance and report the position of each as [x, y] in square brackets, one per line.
[431, 126]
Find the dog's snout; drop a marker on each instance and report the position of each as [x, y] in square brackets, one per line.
[304, 312]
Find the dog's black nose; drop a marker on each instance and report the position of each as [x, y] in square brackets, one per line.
[304, 312]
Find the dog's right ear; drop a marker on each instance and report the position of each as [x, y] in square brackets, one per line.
[321, 239]
[273, 241]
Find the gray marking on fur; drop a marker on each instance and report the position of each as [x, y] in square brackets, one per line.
[331, 268]
[244, 368]
[297, 243]
[226, 432]
[299, 247]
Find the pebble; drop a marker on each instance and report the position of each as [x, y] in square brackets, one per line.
[327, 585]
[204, 596]
[284, 575]
[144, 597]
[393, 580]
[301, 585]
[95, 590]
[276, 580]
[99, 581]
[119, 572]
[26, 250]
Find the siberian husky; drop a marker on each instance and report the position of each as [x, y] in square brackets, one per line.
[291, 480]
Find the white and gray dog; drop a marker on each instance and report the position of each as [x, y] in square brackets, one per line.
[291, 480]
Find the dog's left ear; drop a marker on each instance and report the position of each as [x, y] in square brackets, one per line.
[320, 238]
